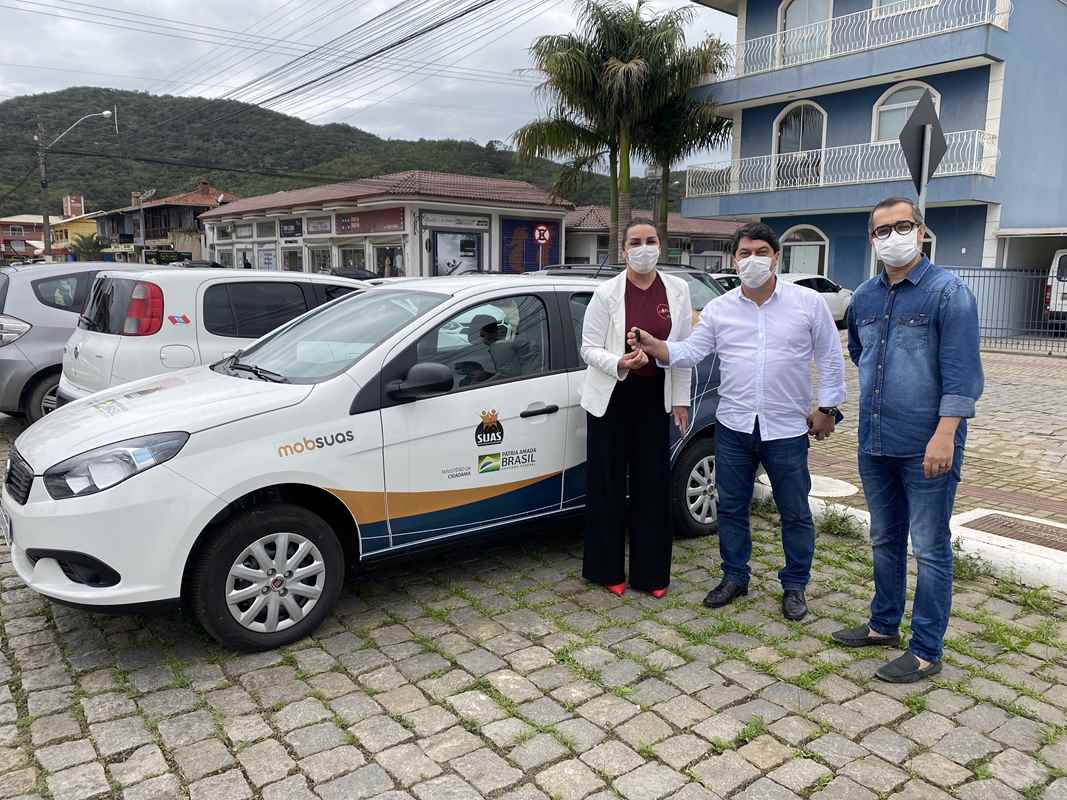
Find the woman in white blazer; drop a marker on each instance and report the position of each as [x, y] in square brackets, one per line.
[630, 401]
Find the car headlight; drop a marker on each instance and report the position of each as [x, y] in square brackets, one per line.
[110, 465]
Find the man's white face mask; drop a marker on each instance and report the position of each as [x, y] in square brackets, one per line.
[899, 250]
[754, 271]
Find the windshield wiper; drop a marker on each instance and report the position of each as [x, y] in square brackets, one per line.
[259, 372]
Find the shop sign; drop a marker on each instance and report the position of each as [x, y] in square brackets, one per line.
[386, 220]
[166, 256]
[318, 225]
[291, 227]
[465, 221]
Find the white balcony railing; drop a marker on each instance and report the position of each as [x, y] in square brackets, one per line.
[969, 153]
[885, 24]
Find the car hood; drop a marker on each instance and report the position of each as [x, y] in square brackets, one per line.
[191, 400]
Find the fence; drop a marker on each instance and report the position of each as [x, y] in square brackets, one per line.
[885, 24]
[1013, 309]
[969, 153]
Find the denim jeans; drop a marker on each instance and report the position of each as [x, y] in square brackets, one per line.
[902, 501]
[737, 456]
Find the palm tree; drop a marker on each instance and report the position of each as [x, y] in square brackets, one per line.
[577, 127]
[87, 246]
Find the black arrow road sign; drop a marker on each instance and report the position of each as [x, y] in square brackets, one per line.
[911, 139]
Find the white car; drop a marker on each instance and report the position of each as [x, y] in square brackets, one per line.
[404, 416]
[1055, 300]
[137, 324]
[837, 297]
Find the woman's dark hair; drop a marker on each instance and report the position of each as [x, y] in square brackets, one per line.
[757, 231]
[633, 224]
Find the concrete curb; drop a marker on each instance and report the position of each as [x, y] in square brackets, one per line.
[1030, 564]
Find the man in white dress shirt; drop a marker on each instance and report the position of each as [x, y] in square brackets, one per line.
[766, 333]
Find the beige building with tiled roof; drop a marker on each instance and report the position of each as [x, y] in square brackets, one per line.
[406, 223]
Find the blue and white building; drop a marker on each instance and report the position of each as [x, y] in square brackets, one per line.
[821, 90]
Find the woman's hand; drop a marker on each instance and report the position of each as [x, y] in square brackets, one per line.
[681, 418]
[635, 359]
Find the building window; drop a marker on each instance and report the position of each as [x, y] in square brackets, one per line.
[799, 139]
[889, 8]
[225, 257]
[266, 230]
[353, 258]
[805, 30]
[223, 232]
[804, 250]
[320, 259]
[16, 230]
[893, 109]
[293, 259]
[243, 231]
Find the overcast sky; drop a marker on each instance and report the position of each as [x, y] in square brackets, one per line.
[479, 98]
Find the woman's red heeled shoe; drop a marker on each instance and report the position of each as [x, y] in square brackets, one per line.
[617, 588]
[658, 593]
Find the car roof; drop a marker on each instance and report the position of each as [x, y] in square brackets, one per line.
[793, 277]
[47, 269]
[195, 274]
[472, 283]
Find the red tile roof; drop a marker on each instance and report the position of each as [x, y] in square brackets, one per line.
[206, 196]
[414, 183]
[594, 219]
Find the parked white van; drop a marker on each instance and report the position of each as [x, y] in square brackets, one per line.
[1056, 290]
[141, 323]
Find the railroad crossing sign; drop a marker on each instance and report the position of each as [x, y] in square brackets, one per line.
[542, 235]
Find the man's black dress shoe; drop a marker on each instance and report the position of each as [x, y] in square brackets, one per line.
[794, 606]
[724, 594]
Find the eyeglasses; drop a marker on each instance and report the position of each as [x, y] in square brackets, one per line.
[904, 227]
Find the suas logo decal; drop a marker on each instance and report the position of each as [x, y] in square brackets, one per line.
[489, 431]
[318, 443]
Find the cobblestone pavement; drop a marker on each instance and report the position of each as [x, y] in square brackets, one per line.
[498, 673]
[1016, 448]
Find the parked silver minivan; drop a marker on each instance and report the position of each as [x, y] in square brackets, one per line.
[39, 308]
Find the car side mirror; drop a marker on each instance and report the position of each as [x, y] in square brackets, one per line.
[422, 380]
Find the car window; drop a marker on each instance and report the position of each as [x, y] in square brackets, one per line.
[1061, 274]
[60, 292]
[335, 290]
[491, 342]
[729, 282]
[257, 307]
[702, 289]
[807, 283]
[579, 304]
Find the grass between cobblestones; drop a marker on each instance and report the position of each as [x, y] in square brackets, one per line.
[499, 673]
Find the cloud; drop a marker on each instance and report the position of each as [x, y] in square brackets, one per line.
[475, 96]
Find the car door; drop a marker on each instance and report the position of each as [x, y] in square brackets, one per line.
[236, 313]
[490, 450]
[573, 305]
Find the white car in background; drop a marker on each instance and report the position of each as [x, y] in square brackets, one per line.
[138, 324]
[836, 297]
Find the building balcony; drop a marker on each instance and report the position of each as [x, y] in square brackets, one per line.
[910, 36]
[837, 178]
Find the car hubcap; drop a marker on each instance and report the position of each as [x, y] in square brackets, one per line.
[48, 402]
[275, 582]
[700, 491]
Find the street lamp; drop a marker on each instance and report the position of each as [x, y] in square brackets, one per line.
[41, 150]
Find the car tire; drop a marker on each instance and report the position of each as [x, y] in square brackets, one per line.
[694, 514]
[41, 399]
[230, 566]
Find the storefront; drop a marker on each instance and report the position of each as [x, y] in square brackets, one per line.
[384, 228]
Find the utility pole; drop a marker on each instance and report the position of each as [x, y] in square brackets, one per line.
[45, 220]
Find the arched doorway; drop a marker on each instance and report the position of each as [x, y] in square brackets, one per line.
[805, 250]
[799, 141]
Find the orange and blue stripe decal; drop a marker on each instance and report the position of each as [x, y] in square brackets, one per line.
[392, 519]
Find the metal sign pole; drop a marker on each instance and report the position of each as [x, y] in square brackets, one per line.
[928, 131]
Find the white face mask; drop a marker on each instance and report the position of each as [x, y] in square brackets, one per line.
[898, 250]
[643, 259]
[754, 271]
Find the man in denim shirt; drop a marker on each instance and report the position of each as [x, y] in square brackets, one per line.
[913, 333]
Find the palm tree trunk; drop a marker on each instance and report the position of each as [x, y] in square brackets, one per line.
[625, 198]
[663, 211]
[613, 193]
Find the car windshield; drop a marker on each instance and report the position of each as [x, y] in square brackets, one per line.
[702, 289]
[328, 341]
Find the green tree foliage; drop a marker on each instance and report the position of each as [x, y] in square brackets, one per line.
[202, 131]
[87, 246]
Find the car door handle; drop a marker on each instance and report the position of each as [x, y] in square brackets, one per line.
[537, 412]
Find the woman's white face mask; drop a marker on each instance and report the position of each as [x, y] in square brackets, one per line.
[643, 258]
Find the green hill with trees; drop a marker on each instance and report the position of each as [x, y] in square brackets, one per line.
[201, 133]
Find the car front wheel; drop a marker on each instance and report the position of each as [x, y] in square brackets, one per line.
[693, 498]
[268, 577]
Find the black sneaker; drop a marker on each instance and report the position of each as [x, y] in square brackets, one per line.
[794, 606]
[906, 669]
[725, 593]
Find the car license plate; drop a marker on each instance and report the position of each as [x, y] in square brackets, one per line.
[5, 527]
